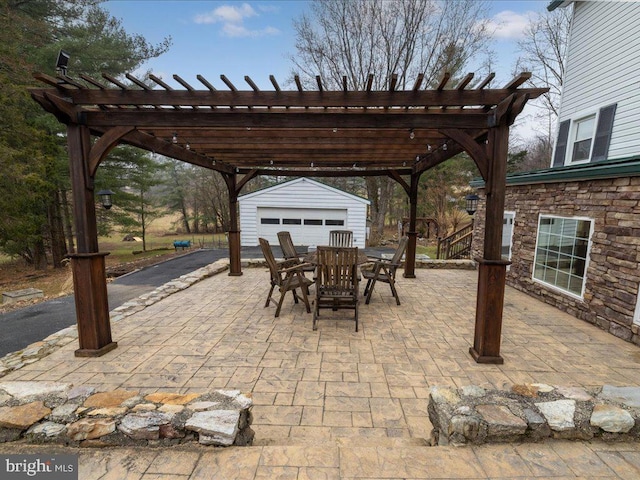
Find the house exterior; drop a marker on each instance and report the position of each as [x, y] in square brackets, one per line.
[309, 210]
[572, 231]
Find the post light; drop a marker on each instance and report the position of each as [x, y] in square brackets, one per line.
[471, 203]
[105, 198]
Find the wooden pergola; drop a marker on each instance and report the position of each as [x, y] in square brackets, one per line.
[320, 133]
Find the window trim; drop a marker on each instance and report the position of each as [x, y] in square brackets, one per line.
[586, 262]
[573, 133]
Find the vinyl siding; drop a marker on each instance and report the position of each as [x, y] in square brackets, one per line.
[602, 69]
[302, 194]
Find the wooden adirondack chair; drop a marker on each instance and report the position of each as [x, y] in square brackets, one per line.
[289, 250]
[336, 280]
[384, 270]
[287, 276]
[341, 238]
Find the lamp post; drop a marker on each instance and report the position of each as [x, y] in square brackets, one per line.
[105, 198]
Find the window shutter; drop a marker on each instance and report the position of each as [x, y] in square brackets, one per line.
[603, 133]
[561, 144]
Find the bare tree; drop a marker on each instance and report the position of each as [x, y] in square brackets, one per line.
[544, 46]
[355, 38]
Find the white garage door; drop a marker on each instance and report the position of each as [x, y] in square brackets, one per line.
[308, 226]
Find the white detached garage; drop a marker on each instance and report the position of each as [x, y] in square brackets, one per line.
[306, 208]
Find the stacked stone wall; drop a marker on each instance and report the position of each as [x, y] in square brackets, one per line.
[612, 276]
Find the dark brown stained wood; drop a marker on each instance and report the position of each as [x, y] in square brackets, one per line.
[307, 119]
[344, 84]
[206, 83]
[296, 79]
[92, 307]
[517, 81]
[337, 99]
[475, 150]
[393, 81]
[443, 81]
[319, 82]
[412, 234]
[465, 81]
[228, 83]
[369, 83]
[419, 79]
[183, 82]
[104, 145]
[138, 82]
[489, 306]
[486, 81]
[251, 83]
[115, 81]
[274, 83]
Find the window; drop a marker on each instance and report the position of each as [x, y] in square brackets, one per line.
[292, 221]
[562, 251]
[270, 221]
[585, 138]
[312, 222]
[339, 223]
[583, 134]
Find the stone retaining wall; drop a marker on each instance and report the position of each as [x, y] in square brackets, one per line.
[533, 412]
[50, 412]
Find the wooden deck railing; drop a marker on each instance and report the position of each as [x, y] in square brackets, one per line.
[457, 245]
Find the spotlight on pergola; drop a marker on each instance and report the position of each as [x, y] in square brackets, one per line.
[471, 203]
[62, 62]
[105, 198]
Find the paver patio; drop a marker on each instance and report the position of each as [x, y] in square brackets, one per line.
[309, 386]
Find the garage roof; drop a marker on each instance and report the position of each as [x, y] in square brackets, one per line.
[303, 180]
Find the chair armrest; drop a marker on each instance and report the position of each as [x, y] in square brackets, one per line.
[298, 266]
[379, 260]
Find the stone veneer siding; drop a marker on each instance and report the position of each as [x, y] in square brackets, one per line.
[613, 272]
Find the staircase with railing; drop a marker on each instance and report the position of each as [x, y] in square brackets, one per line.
[457, 245]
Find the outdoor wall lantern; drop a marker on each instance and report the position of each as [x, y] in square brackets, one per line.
[471, 203]
[105, 198]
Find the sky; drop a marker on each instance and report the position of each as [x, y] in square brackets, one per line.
[257, 38]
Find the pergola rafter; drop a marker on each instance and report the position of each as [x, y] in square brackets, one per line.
[319, 133]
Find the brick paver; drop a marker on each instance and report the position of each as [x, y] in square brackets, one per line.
[336, 403]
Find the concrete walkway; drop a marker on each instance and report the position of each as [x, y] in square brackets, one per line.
[339, 404]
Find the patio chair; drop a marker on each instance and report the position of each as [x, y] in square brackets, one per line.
[341, 238]
[287, 276]
[289, 250]
[384, 270]
[336, 281]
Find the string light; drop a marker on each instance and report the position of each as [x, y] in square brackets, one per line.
[412, 134]
[428, 148]
[187, 146]
[444, 147]
[174, 139]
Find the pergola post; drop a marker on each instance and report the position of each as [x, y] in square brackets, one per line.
[410, 256]
[89, 280]
[492, 269]
[235, 268]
